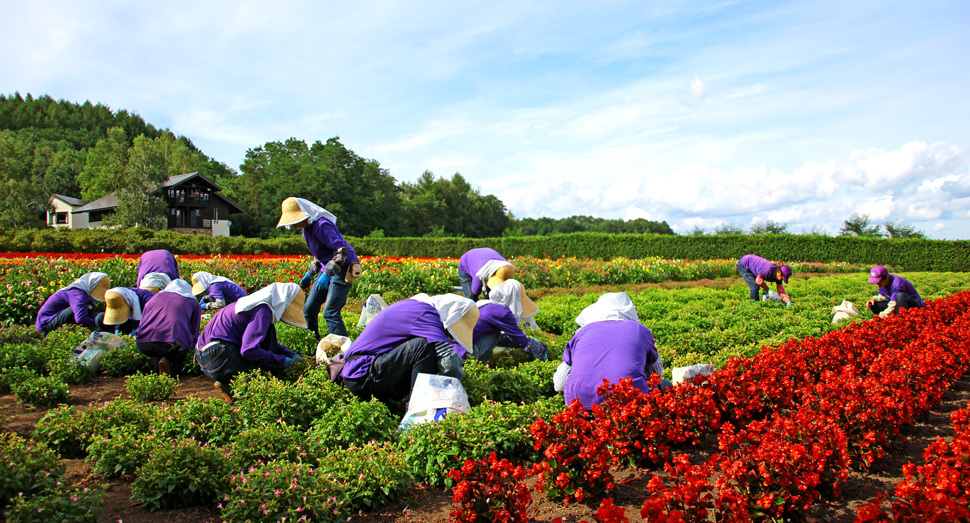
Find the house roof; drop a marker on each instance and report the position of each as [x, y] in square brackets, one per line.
[73, 202]
[105, 202]
[182, 178]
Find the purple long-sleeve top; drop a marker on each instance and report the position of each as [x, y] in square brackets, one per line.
[76, 299]
[158, 260]
[391, 327]
[247, 329]
[609, 350]
[760, 266]
[144, 295]
[226, 291]
[475, 259]
[323, 239]
[898, 284]
[496, 317]
[170, 317]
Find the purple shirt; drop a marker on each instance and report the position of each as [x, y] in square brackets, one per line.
[898, 284]
[158, 260]
[475, 259]
[226, 291]
[496, 317]
[75, 299]
[248, 330]
[760, 266]
[170, 318]
[323, 239]
[608, 350]
[391, 327]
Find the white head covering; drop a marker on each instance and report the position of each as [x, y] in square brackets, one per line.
[159, 280]
[612, 306]
[87, 282]
[490, 267]
[206, 279]
[277, 295]
[509, 294]
[313, 212]
[451, 308]
[131, 298]
[179, 286]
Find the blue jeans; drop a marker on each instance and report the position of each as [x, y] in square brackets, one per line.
[466, 283]
[330, 292]
[173, 352]
[752, 280]
[65, 317]
[222, 360]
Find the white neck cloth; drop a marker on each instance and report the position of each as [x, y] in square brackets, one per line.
[87, 282]
[612, 306]
[206, 279]
[277, 295]
[180, 287]
[131, 298]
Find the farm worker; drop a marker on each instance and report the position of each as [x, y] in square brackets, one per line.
[122, 309]
[155, 281]
[756, 271]
[422, 334]
[498, 322]
[73, 304]
[482, 269]
[332, 253]
[221, 291]
[610, 344]
[895, 292]
[158, 260]
[242, 335]
[169, 327]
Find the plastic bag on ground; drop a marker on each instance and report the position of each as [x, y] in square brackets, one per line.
[433, 398]
[771, 296]
[681, 374]
[331, 345]
[844, 310]
[91, 350]
[372, 306]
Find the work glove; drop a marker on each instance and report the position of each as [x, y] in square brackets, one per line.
[890, 308]
[788, 304]
[536, 349]
[306, 281]
[333, 266]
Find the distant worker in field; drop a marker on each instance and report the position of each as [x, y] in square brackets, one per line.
[610, 344]
[242, 335]
[334, 268]
[73, 304]
[481, 270]
[498, 322]
[422, 334]
[169, 327]
[756, 271]
[218, 291]
[122, 309]
[895, 293]
[158, 260]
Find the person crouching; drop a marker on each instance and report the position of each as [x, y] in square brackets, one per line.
[169, 327]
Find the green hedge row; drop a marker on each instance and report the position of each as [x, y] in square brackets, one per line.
[911, 254]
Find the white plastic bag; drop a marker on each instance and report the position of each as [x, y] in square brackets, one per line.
[771, 296]
[843, 311]
[331, 343]
[91, 350]
[433, 398]
[681, 374]
[372, 306]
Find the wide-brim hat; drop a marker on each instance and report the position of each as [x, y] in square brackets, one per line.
[505, 272]
[292, 214]
[464, 328]
[116, 308]
[197, 288]
[529, 307]
[102, 287]
[293, 313]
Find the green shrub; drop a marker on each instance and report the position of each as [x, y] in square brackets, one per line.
[125, 360]
[66, 338]
[69, 430]
[30, 355]
[57, 505]
[69, 370]
[121, 451]
[265, 399]
[279, 491]
[18, 334]
[265, 443]
[208, 420]
[41, 391]
[31, 467]
[13, 375]
[147, 388]
[356, 422]
[182, 474]
[365, 477]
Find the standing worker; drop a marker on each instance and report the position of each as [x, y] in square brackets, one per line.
[169, 327]
[331, 253]
[73, 304]
[895, 293]
[498, 322]
[756, 271]
[158, 260]
[123, 309]
[482, 269]
[610, 344]
[220, 291]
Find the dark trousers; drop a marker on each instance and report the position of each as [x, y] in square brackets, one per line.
[222, 360]
[156, 350]
[65, 317]
[127, 327]
[752, 280]
[392, 375]
[903, 301]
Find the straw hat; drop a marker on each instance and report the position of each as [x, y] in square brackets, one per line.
[293, 314]
[98, 291]
[464, 327]
[116, 309]
[506, 272]
[292, 214]
[529, 307]
[197, 288]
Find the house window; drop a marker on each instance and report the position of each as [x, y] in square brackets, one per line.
[60, 218]
[97, 216]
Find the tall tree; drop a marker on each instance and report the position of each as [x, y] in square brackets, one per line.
[860, 225]
[139, 199]
[104, 166]
[901, 229]
[768, 227]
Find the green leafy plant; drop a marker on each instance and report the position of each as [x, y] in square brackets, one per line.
[31, 467]
[356, 422]
[68, 430]
[151, 387]
[56, 505]
[365, 477]
[125, 360]
[14, 375]
[267, 442]
[41, 391]
[121, 451]
[69, 370]
[182, 474]
[278, 491]
[208, 420]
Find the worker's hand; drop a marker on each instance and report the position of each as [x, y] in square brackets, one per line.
[869, 303]
[287, 361]
[306, 281]
[788, 304]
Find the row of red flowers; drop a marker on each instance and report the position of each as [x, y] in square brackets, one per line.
[794, 419]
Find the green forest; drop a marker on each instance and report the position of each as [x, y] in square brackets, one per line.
[88, 150]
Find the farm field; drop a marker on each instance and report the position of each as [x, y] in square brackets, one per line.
[297, 445]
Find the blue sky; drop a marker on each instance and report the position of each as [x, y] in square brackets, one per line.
[697, 113]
